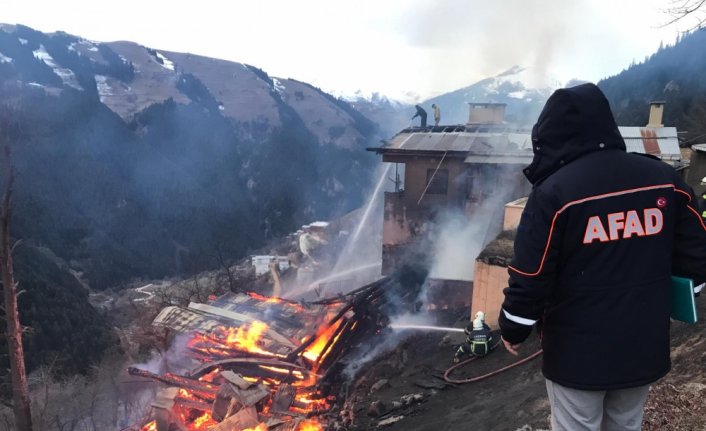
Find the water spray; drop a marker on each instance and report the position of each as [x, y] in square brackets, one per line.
[426, 328]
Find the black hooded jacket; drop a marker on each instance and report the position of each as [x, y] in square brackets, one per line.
[601, 234]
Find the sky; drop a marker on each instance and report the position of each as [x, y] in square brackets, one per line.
[405, 49]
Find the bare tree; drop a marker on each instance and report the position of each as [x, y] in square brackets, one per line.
[20, 388]
[692, 12]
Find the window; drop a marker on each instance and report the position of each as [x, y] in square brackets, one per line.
[438, 183]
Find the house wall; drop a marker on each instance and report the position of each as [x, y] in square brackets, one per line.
[415, 181]
[697, 168]
[488, 284]
[469, 186]
[405, 215]
[513, 213]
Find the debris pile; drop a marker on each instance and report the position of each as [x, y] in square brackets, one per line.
[264, 363]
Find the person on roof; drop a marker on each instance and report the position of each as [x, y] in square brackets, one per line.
[601, 235]
[422, 114]
[478, 339]
[437, 114]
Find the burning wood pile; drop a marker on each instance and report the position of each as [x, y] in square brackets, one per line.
[265, 363]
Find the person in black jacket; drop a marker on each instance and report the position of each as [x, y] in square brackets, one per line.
[601, 235]
[422, 114]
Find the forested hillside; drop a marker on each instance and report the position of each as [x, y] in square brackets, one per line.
[172, 188]
[674, 74]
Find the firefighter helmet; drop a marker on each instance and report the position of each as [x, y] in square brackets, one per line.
[477, 324]
[480, 315]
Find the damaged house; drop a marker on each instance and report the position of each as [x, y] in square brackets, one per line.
[477, 168]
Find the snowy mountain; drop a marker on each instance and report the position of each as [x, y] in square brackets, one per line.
[128, 78]
[141, 160]
[513, 87]
[389, 115]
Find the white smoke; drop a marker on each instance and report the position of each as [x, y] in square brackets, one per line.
[458, 243]
[175, 359]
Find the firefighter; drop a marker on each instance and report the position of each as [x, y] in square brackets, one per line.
[478, 339]
[422, 114]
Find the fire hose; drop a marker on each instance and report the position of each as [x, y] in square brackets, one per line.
[485, 376]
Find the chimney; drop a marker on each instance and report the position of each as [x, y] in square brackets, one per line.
[486, 113]
[656, 111]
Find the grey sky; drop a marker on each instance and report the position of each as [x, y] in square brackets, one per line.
[396, 47]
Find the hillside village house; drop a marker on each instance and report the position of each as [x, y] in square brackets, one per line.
[476, 168]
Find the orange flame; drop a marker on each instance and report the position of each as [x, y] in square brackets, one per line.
[310, 425]
[274, 299]
[259, 427]
[203, 422]
[152, 426]
[264, 298]
[315, 350]
[247, 337]
[210, 376]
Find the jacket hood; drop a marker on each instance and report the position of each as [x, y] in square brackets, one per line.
[574, 122]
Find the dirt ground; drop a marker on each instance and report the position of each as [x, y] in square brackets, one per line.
[513, 400]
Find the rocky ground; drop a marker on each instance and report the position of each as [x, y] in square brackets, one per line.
[404, 389]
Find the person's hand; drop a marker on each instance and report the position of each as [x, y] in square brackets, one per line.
[512, 348]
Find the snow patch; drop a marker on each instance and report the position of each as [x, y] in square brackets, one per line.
[520, 94]
[67, 75]
[279, 87]
[166, 63]
[4, 59]
[22, 41]
[89, 46]
[104, 89]
[374, 97]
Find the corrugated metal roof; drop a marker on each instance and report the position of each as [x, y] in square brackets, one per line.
[510, 146]
[458, 141]
[637, 132]
[659, 141]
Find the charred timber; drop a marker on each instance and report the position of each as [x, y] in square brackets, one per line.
[191, 404]
[175, 380]
[372, 293]
[354, 293]
[248, 363]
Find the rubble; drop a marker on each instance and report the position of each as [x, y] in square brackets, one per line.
[379, 385]
[389, 421]
[260, 376]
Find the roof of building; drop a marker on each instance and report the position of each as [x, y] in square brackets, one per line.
[499, 251]
[476, 139]
[498, 145]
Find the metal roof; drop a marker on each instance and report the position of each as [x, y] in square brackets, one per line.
[458, 141]
[658, 141]
[514, 147]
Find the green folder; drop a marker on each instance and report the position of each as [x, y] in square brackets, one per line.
[683, 304]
